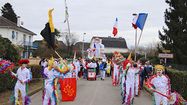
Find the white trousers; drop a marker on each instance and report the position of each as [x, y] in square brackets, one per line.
[49, 95]
[22, 88]
[115, 76]
[137, 82]
[103, 74]
[160, 99]
[129, 87]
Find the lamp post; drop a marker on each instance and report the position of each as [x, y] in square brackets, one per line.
[134, 14]
[83, 45]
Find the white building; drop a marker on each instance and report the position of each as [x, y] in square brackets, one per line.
[18, 35]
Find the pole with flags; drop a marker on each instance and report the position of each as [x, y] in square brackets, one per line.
[67, 17]
[135, 27]
[138, 22]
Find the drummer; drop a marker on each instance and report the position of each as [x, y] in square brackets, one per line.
[160, 83]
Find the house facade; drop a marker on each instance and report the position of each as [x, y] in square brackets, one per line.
[18, 35]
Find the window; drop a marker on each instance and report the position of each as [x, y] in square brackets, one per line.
[24, 39]
[30, 40]
[16, 35]
[13, 34]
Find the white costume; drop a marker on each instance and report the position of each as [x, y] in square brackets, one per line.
[49, 86]
[92, 65]
[115, 74]
[130, 81]
[24, 76]
[161, 85]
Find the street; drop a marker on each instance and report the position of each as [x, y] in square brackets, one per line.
[96, 93]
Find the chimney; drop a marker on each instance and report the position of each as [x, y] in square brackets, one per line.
[18, 21]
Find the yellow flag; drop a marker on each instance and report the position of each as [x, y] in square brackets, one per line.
[51, 25]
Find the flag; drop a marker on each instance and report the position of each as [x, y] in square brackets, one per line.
[139, 21]
[134, 22]
[51, 20]
[115, 30]
[48, 36]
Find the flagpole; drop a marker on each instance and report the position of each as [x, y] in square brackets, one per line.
[66, 11]
[135, 49]
[135, 44]
[140, 37]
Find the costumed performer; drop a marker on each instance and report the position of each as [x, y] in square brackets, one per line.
[52, 72]
[160, 83]
[23, 76]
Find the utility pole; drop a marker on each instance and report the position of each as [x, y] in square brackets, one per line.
[83, 45]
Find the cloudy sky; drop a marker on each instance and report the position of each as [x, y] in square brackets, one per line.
[93, 17]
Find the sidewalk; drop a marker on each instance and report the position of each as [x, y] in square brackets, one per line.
[33, 88]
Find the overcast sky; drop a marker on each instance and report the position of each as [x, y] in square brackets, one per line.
[93, 17]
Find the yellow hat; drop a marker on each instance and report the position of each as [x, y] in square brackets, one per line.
[51, 63]
[159, 67]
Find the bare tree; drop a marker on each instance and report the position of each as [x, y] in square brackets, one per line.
[70, 41]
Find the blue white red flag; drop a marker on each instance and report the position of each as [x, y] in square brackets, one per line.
[139, 21]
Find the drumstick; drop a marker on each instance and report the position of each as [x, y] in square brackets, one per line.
[161, 93]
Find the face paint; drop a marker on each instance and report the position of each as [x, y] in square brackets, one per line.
[159, 72]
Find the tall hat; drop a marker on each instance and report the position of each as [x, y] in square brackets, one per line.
[23, 61]
[51, 63]
[159, 67]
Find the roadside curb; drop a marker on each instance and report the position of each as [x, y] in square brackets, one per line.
[35, 91]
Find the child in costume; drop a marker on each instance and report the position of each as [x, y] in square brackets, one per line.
[160, 83]
[23, 76]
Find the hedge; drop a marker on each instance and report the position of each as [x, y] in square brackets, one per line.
[7, 82]
[178, 80]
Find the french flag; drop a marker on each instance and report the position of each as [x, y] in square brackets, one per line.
[115, 29]
[139, 21]
[134, 22]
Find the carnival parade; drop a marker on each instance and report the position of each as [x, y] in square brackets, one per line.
[71, 57]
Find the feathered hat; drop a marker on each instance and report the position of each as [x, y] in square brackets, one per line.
[23, 61]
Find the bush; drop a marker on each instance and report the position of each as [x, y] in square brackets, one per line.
[36, 71]
[179, 67]
[178, 81]
[7, 82]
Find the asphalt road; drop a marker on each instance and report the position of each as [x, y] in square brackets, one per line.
[96, 93]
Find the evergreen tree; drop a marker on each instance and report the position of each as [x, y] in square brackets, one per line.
[8, 51]
[9, 13]
[174, 37]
